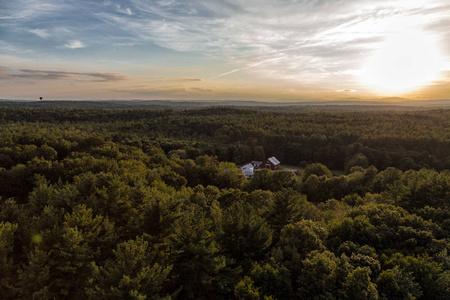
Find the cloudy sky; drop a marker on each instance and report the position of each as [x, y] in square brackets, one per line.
[271, 50]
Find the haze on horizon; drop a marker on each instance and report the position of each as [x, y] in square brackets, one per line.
[269, 50]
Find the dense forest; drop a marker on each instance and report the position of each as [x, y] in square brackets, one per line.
[150, 204]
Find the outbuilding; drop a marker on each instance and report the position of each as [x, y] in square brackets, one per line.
[272, 163]
[296, 172]
[257, 163]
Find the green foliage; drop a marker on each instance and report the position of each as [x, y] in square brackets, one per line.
[61, 272]
[245, 290]
[7, 231]
[357, 160]
[265, 179]
[198, 264]
[287, 207]
[316, 169]
[244, 234]
[358, 286]
[273, 282]
[158, 213]
[299, 239]
[398, 284]
[429, 275]
[137, 204]
[316, 277]
[34, 280]
[134, 272]
[358, 230]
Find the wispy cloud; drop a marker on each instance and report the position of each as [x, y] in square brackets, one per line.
[43, 33]
[310, 35]
[162, 79]
[41, 75]
[31, 9]
[191, 79]
[3, 72]
[57, 75]
[74, 44]
[106, 76]
[203, 90]
[124, 10]
[246, 68]
[13, 48]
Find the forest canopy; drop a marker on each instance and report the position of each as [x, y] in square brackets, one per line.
[141, 204]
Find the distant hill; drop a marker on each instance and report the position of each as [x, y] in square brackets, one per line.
[351, 104]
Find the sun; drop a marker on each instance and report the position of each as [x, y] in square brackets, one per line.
[403, 63]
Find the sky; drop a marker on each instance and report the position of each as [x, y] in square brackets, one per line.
[266, 50]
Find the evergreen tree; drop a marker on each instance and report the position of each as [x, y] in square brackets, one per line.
[134, 272]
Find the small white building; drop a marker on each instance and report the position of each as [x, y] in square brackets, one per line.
[248, 170]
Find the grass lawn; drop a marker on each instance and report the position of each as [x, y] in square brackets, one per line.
[301, 170]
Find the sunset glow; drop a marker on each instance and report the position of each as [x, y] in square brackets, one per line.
[405, 62]
[228, 49]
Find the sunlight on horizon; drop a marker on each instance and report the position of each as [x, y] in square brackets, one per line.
[405, 62]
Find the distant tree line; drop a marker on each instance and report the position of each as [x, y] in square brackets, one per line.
[408, 140]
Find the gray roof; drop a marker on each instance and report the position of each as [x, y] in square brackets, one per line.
[247, 166]
[274, 161]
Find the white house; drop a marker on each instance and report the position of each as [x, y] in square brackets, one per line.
[248, 170]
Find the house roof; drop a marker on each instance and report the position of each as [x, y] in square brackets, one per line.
[273, 160]
[247, 169]
[247, 166]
